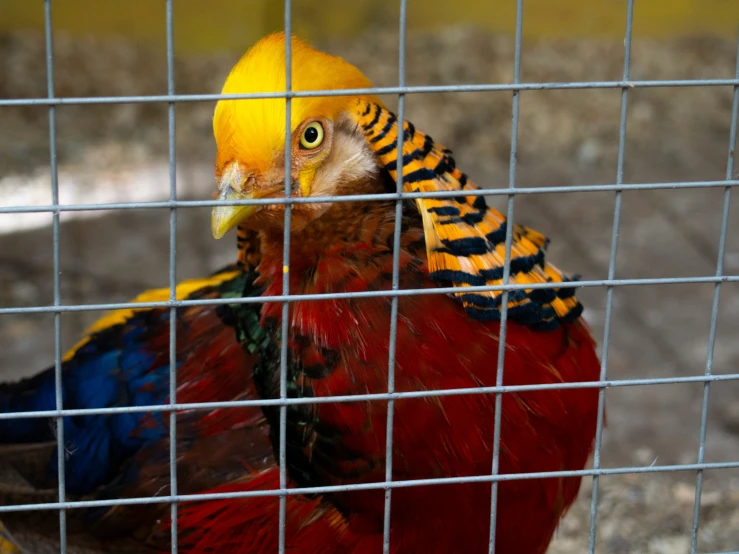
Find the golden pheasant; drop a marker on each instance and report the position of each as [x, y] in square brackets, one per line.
[346, 145]
[341, 145]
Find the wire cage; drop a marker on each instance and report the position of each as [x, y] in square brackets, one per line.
[625, 85]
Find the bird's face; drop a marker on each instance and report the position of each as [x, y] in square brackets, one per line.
[328, 154]
[327, 158]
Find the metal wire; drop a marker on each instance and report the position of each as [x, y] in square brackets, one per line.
[365, 294]
[172, 275]
[364, 197]
[285, 324]
[58, 387]
[506, 276]
[611, 272]
[374, 396]
[386, 526]
[427, 89]
[512, 190]
[366, 486]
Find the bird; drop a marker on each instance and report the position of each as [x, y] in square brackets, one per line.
[439, 359]
[346, 144]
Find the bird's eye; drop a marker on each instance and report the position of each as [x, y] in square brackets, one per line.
[312, 136]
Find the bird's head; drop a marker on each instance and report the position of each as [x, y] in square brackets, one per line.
[345, 145]
[328, 156]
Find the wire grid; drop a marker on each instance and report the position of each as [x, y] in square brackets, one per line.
[171, 98]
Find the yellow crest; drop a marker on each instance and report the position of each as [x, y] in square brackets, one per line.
[253, 131]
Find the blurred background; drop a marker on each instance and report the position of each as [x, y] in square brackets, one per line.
[118, 152]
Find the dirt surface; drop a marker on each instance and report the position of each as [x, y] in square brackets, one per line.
[567, 137]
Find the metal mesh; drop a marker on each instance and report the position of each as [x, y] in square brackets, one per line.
[171, 98]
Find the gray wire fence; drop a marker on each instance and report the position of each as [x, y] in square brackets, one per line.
[171, 98]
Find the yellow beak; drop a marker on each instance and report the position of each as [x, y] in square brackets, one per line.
[225, 218]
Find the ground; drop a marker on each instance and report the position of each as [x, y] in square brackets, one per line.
[567, 137]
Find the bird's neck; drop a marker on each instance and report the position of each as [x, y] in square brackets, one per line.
[349, 230]
[354, 255]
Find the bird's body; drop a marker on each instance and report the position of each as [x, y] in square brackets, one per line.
[347, 146]
[449, 436]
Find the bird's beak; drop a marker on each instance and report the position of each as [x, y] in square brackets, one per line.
[225, 218]
[236, 183]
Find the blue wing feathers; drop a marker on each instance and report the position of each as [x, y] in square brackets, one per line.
[30, 395]
[124, 365]
[113, 369]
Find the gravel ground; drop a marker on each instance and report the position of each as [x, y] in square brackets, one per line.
[565, 137]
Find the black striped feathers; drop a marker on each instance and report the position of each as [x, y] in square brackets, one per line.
[465, 239]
